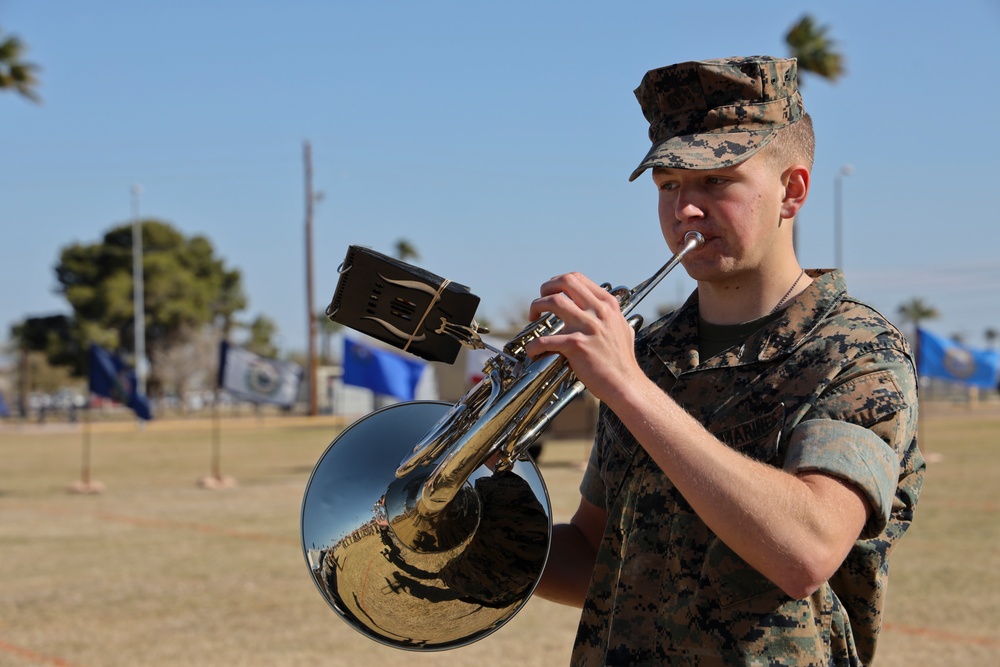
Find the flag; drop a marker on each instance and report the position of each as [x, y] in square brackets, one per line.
[109, 376]
[381, 371]
[4, 411]
[254, 378]
[943, 358]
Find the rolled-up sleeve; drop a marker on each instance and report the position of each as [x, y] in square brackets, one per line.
[852, 453]
[858, 431]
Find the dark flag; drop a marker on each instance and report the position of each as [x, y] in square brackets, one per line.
[110, 377]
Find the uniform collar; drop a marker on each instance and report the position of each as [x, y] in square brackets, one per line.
[674, 340]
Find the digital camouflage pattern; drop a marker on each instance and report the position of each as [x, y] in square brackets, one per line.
[827, 386]
[716, 113]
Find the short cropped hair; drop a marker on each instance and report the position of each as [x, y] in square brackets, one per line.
[793, 144]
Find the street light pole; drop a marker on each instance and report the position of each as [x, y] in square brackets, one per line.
[138, 289]
[838, 221]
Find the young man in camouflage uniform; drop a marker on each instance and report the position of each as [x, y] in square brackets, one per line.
[756, 459]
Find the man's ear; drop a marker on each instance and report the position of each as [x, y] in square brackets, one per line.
[796, 181]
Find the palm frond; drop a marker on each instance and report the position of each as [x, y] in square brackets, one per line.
[15, 74]
[815, 51]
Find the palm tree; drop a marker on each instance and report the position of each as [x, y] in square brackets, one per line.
[916, 311]
[16, 74]
[991, 335]
[815, 52]
[406, 250]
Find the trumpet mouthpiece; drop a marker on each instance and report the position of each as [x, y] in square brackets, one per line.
[694, 240]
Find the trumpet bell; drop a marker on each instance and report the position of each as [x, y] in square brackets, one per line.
[410, 591]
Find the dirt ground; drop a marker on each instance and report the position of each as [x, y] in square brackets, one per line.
[157, 570]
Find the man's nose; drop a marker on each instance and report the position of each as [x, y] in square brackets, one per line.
[688, 205]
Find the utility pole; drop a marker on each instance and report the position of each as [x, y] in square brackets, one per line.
[311, 362]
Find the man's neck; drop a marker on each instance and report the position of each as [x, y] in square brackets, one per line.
[741, 300]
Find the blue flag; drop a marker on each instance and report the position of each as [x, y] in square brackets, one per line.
[110, 377]
[939, 357]
[381, 371]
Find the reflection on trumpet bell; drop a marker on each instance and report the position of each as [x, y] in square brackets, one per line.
[501, 564]
[445, 591]
[452, 527]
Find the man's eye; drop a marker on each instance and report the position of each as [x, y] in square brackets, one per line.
[668, 186]
[716, 180]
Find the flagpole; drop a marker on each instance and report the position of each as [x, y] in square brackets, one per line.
[216, 480]
[311, 360]
[85, 462]
[216, 438]
[86, 485]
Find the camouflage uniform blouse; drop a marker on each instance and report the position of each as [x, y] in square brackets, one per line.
[828, 386]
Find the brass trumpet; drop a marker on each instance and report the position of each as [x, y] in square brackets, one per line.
[425, 525]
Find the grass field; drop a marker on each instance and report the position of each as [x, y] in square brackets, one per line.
[159, 571]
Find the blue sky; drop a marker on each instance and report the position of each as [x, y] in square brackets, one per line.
[496, 137]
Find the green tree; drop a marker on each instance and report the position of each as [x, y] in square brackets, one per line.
[186, 288]
[815, 51]
[262, 331]
[15, 74]
[51, 335]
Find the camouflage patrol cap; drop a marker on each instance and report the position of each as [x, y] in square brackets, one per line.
[716, 113]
